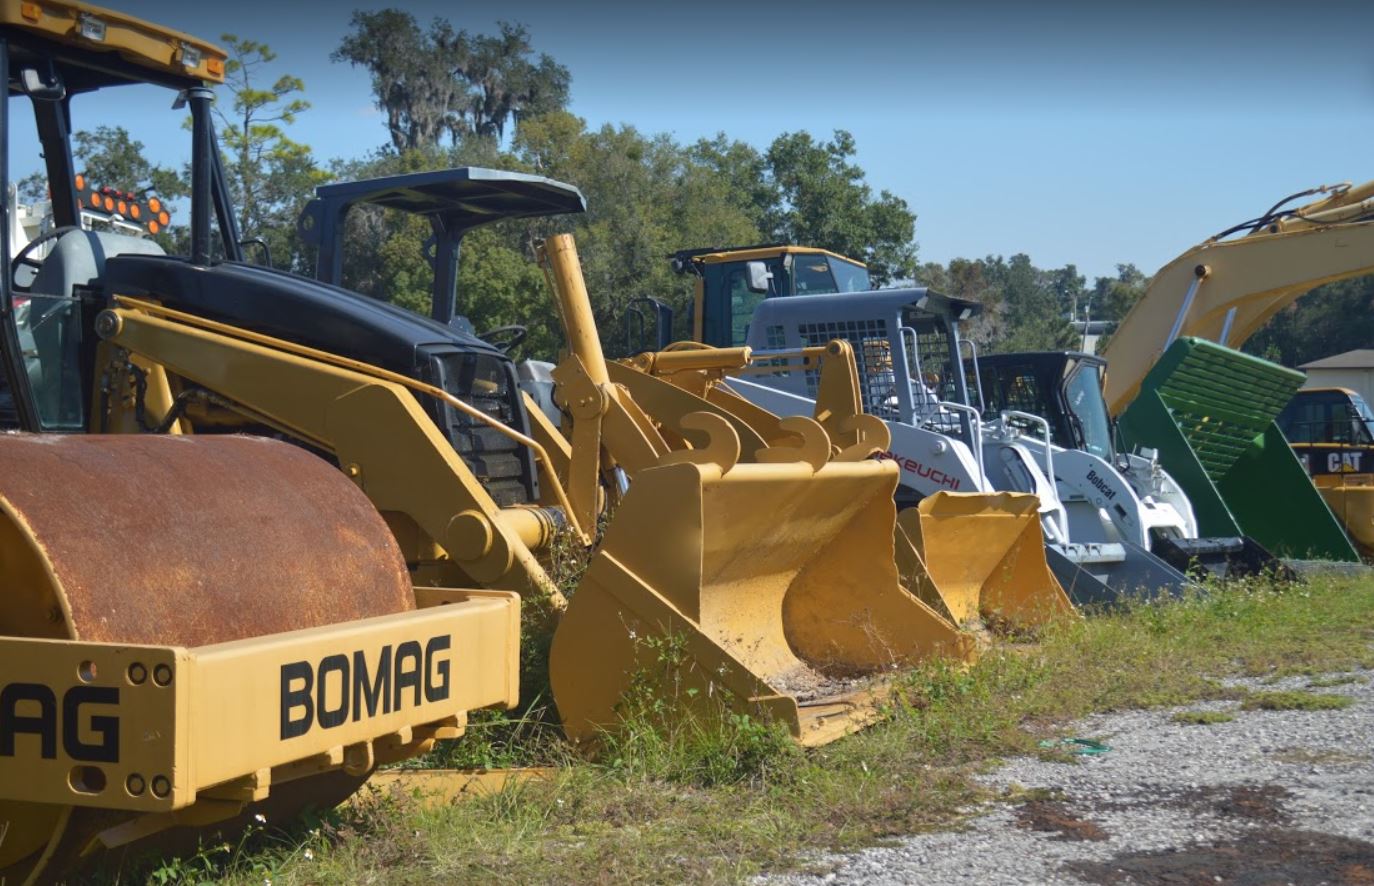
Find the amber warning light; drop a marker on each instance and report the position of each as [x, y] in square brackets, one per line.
[149, 212]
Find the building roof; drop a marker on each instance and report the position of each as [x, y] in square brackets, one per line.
[1360, 358]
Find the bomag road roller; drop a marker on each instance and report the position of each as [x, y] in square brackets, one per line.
[193, 629]
[779, 586]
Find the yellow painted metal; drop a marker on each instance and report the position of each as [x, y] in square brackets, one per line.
[1255, 276]
[366, 418]
[201, 719]
[967, 555]
[1351, 498]
[745, 568]
[986, 554]
[121, 552]
[764, 252]
[135, 40]
[767, 587]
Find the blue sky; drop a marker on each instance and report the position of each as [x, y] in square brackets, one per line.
[1089, 133]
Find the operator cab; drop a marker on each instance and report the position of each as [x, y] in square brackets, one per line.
[1062, 387]
[1327, 415]
[58, 284]
[732, 281]
[53, 61]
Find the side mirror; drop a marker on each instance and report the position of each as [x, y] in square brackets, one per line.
[759, 276]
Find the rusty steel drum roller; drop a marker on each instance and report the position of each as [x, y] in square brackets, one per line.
[180, 541]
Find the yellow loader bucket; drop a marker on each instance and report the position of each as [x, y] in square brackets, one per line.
[986, 554]
[1351, 499]
[768, 589]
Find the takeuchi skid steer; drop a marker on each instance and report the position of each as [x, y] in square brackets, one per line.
[910, 357]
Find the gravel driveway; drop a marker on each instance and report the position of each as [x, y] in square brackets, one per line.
[1272, 797]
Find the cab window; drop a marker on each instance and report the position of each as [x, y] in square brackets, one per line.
[1084, 391]
[811, 275]
[742, 304]
[850, 277]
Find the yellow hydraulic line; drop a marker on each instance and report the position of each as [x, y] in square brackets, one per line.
[366, 369]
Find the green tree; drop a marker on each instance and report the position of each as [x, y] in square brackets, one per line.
[823, 200]
[441, 82]
[1070, 289]
[1329, 320]
[744, 172]
[270, 175]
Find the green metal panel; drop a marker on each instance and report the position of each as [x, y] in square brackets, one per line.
[1209, 412]
[1283, 510]
[1147, 422]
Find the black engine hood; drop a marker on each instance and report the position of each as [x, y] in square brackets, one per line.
[289, 307]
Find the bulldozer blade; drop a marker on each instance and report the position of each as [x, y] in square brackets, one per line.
[986, 556]
[767, 589]
[1353, 505]
[1105, 575]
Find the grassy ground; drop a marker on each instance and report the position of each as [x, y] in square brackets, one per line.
[723, 805]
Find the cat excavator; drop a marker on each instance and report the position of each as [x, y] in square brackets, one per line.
[1177, 384]
[1331, 430]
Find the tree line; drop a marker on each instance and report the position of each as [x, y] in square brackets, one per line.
[448, 97]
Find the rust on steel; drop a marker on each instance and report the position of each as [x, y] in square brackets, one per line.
[191, 540]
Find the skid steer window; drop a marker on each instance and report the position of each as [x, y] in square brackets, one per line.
[850, 277]
[1084, 389]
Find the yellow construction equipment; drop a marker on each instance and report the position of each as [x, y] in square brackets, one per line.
[778, 575]
[193, 630]
[1331, 430]
[968, 556]
[1224, 290]
[962, 538]
[198, 630]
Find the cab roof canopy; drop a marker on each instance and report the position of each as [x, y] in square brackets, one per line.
[94, 47]
[712, 254]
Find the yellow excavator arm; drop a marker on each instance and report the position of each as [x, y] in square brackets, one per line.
[1225, 290]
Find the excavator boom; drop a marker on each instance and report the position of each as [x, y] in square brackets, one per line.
[1226, 290]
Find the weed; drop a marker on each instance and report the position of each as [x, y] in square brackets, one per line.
[1202, 718]
[1336, 680]
[1296, 701]
[720, 795]
[672, 728]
